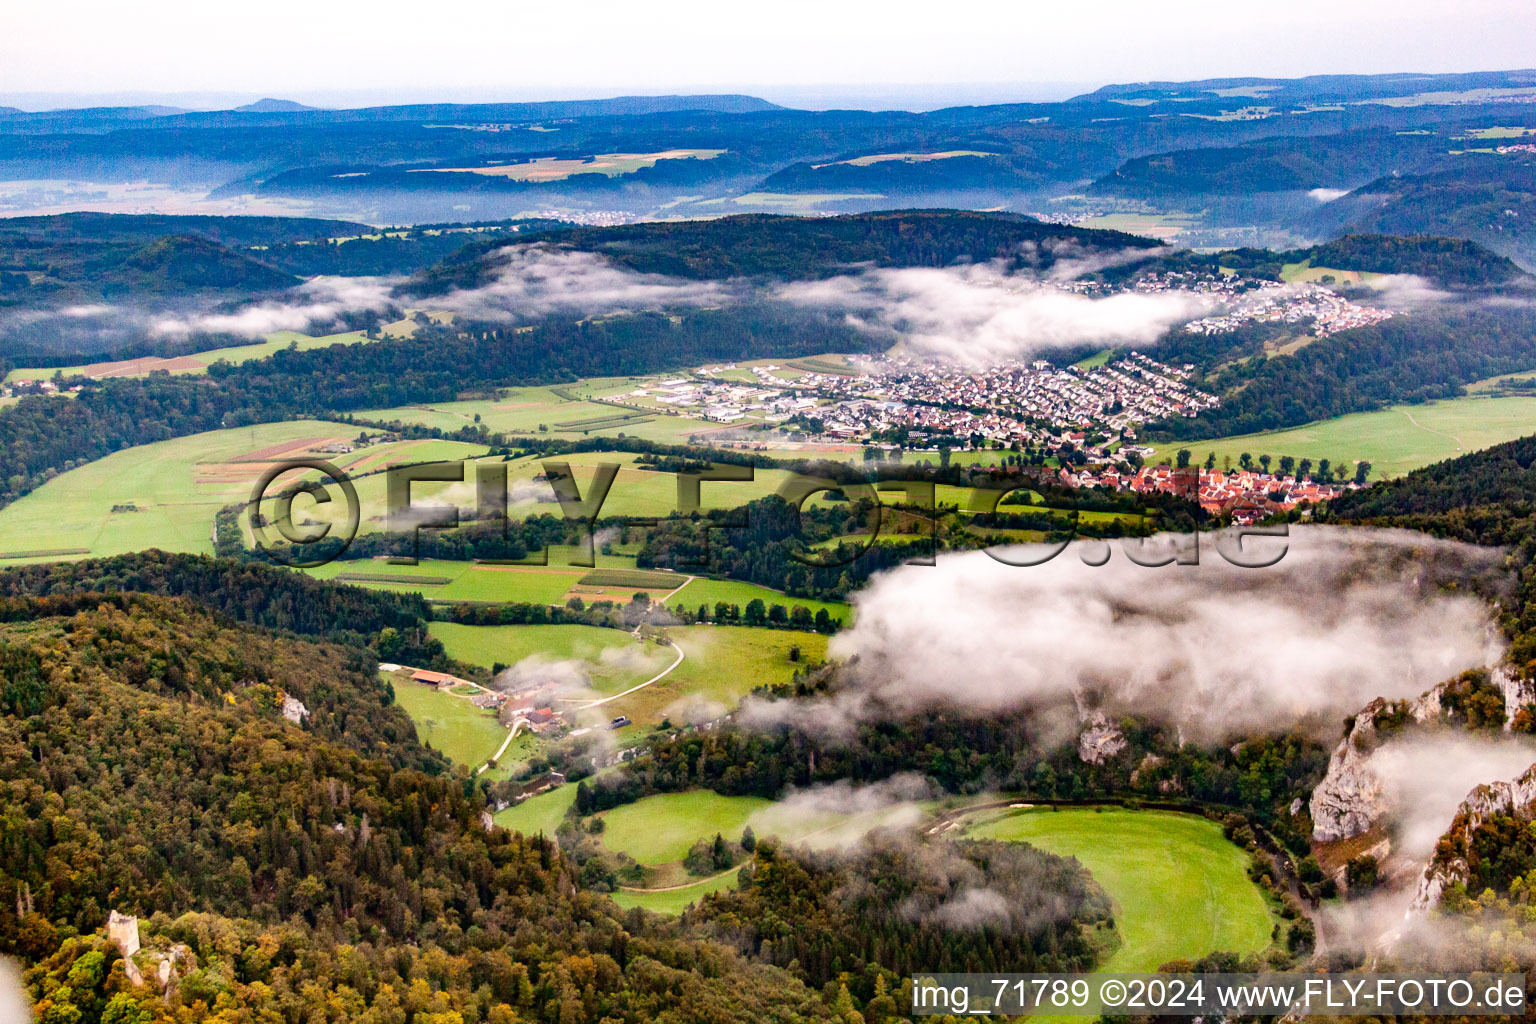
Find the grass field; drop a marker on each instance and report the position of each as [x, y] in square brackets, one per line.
[200, 361]
[486, 645]
[542, 813]
[551, 168]
[562, 411]
[708, 591]
[1394, 440]
[452, 725]
[659, 829]
[467, 581]
[168, 493]
[721, 665]
[675, 901]
[1180, 889]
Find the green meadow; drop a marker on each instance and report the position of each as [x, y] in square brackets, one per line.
[675, 899]
[1395, 440]
[659, 829]
[720, 666]
[538, 814]
[1180, 889]
[704, 591]
[200, 361]
[166, 495]
[452, 725]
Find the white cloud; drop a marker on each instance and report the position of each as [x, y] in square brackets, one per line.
[535, 280]
[1344, 617]
[979, 315]
[319, 301]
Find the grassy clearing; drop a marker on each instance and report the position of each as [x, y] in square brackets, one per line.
[1393, 440]
[551, 168]
[168, 493]
[640, 579]
[199, 362]
[464, 733]
[708, 591]
[659, 829]
[542, 813]
[614, 660]
[721, 665]
[1180, 889]
[467, 581]
[675, 901]
[1305, 272]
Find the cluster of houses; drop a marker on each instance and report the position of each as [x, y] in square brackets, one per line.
[36, 387]
[1031, 404]
[1327, 311]
[532, 704]
[1244, 496]
[723, 401]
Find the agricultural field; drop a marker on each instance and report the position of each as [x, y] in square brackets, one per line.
[551, 168]
[166, 495]
[703, 591]
[465, 734]
[542, 813]
[1304, 272]
[487, 645]
[1394, 441]
[674, 900]
[657, 831]
[199, 362]
[441, 580]
[1180, 889]
[720, 666]
[908, 158]
[1154, 225]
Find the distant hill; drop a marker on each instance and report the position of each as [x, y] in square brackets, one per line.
[1487, 197]
[1315, 89]
[189, 261]
[1447, 261]
[85, 119]
[1344, 160]
[799, 248]
[474, 113]
[237, 231]
[271, 106]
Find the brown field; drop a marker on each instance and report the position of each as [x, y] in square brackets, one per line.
[138, 367]
[553, 168]
[911, 158]
[272, 451]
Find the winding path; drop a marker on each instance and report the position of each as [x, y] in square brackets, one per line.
[656, 678]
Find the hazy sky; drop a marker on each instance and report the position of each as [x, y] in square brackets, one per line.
[457, 49]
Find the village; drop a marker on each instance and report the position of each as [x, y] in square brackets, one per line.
[1243, 496]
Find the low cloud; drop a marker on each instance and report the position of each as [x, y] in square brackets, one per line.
[14, 1004]
[1328, 195]
[534, 281]
[321, 301]
[564, 676]
[1426, 778]
[980, 315]
[1406, 291]
[1217, 650]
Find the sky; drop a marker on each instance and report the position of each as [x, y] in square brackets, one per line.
[350, 52]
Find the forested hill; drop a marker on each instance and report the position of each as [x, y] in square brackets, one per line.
[763, 245]
[1503, 476]
[324, 871]
[1447, 261]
